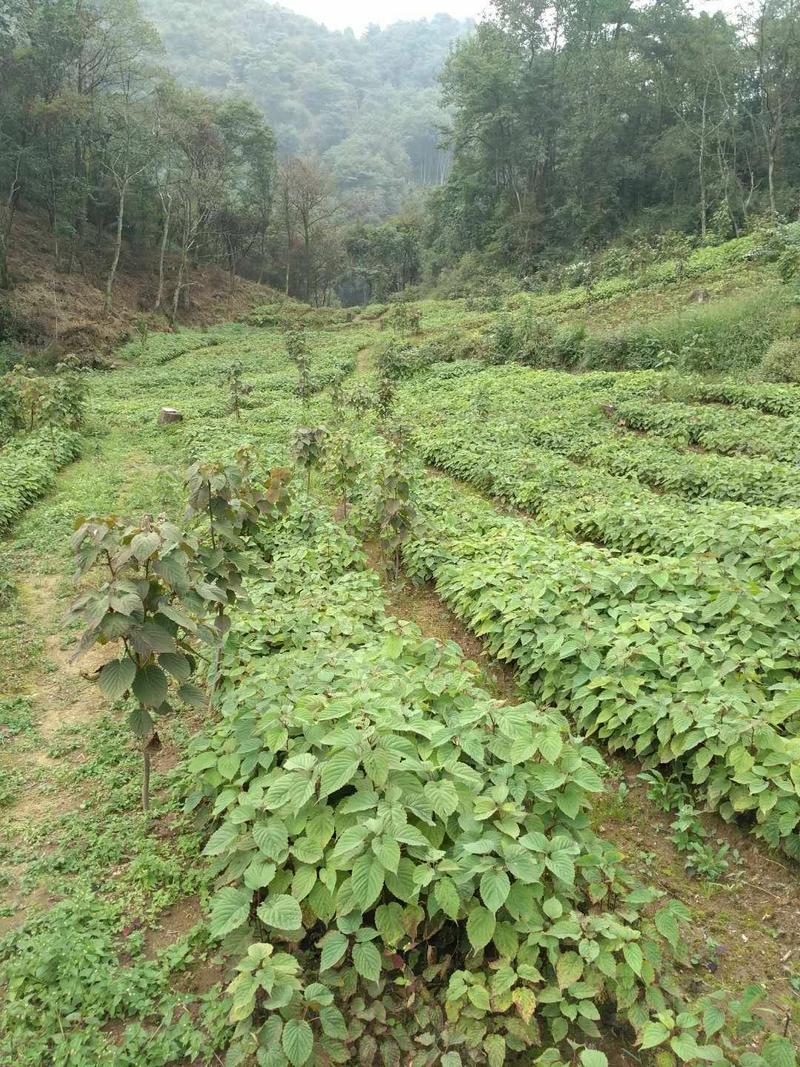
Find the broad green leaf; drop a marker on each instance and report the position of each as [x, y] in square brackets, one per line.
[141, 722]
[272, 838]
[338, 769]
[333, 1023]
[176, 664]
[569, 969]
[653, 1034]
[591, 1057]
[479, 996]
[495, 887]
[551, 746]
[446, 896]
[259, 874]
[116, 677]
[297, 1041]
[367, 880]
[192, 695]
[525, 1001]
[222, 840]
[334, 947]
[230, 909]
[281, 911]
[495, 1048]
[480, 927]
[367, 961]
[779, 1052]
[633, 957]
[553, 908]
[388, 852]
[442, 797]
[667, 926]
[389, 923]
[713, 1020]
[150, 686]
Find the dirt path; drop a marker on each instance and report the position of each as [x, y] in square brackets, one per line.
[64, 693]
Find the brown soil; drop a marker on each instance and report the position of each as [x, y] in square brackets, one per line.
[67, 309]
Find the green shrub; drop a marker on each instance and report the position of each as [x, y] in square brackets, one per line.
[535, 342]
[781, 362]
[731, 334]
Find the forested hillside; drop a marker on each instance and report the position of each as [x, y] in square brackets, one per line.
[578, 123]
[368, 106]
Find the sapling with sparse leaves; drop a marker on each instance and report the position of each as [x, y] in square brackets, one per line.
[386, 397]
[297, 351]
[344, 464]
[227, 505]
[166, 590]
[151, 603]
[309, 444]
[395, 510]
[238, 388]
[143, 333]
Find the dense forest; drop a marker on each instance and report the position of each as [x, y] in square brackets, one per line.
[338, 170]
[368, 107]
[578, 122]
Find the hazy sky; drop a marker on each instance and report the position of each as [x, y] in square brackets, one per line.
[359, 13]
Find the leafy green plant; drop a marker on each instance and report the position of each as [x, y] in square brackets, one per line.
[142, 327]
[345, 465]
[404, 317]
[237, 388]
[28, 468]
[151, 603]
[309, 448]
[396, 513]
[667, 791]
[298, 353]
[359, 398]
[164, 585]
[229, 506]
[386, 396]
[413, 868]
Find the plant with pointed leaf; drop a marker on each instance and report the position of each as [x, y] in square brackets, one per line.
[345, 465]
[396, 513]
[142, 327]
[309, 444]
[359, 398]
[297, 352]
[152, 604]
[387, 393]
[226, 506]
[238, 389]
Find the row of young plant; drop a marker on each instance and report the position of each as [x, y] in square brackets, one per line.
[40, 418]
[672, 660]
[590, 503]
[28, 467]
[573, 424]
[408, 861]
[725, 430]
[243, 391]
[771, 399]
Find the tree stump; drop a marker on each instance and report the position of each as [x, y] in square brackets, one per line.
[168, 415]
